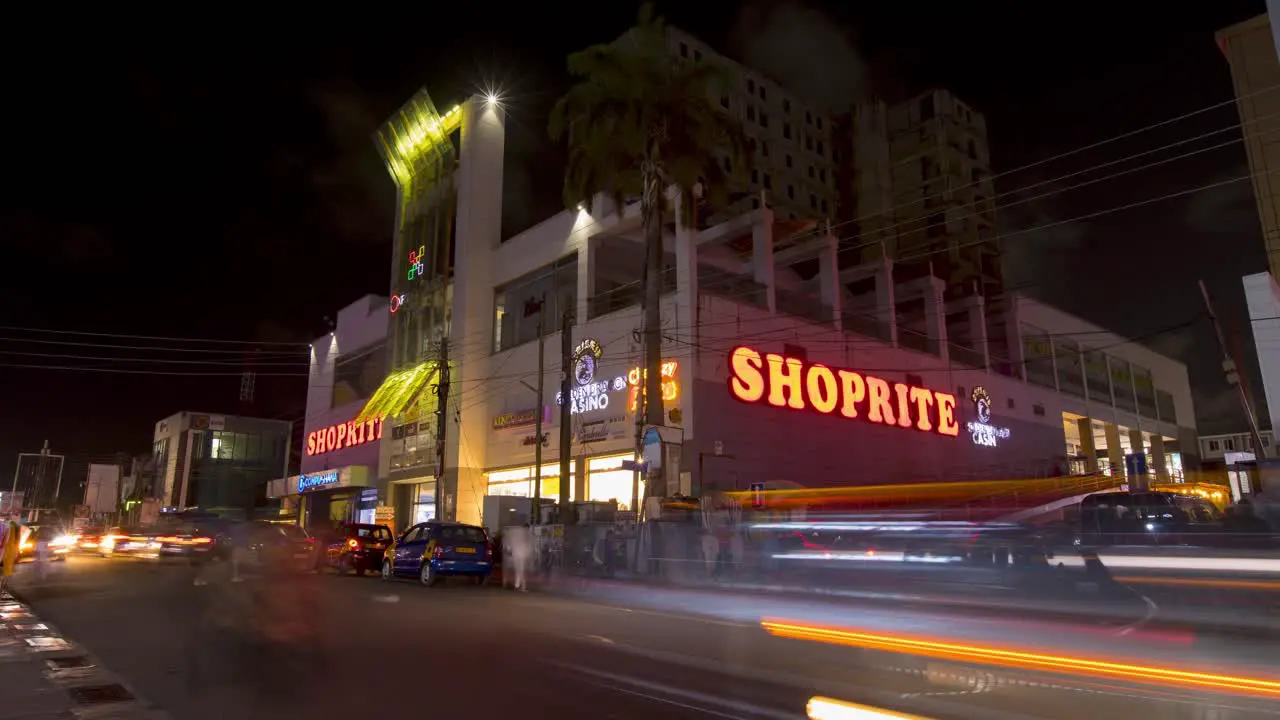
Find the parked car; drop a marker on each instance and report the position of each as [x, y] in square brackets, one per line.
[356, 547]
[434, 550]
[196, 538]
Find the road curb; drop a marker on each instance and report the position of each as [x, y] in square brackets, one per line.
[90, 690]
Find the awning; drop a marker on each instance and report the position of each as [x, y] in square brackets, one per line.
[400, 390]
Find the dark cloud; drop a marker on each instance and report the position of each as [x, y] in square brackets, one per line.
[804, 50]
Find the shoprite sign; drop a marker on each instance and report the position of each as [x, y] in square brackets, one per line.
[343, 436]
[795, 384]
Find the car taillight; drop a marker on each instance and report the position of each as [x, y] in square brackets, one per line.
[488, 552]
[202, 540]
[353, 544]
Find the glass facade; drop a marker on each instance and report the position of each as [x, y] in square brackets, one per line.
[514, 322]
[606, 480]
[231, 469]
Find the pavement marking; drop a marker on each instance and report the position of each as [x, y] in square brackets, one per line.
[602, 639]
[615, 681]
[386, 598]
[1152, 609]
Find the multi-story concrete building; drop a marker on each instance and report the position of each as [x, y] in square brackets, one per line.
[911, 180]
[991, 390]
[1251, 50]
[339, 478]
[218, 461]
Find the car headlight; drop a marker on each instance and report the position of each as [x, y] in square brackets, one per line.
[63, 540]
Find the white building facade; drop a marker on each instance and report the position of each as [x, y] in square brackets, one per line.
[771, 374]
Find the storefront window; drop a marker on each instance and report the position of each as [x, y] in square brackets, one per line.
[519, 482]
[606, 481]
[424, 503]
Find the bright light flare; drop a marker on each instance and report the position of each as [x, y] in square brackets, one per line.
[1035, 661]
[822, 708]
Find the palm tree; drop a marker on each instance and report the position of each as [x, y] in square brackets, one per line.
[640, 120]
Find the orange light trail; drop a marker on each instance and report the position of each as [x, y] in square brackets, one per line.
[1264, 585]
[1023, 660]
[825, 708]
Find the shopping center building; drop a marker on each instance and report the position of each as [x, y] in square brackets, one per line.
[782, 366]
[339, 473]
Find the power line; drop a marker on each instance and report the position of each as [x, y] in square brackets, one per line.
[119, 336]
[1061, 156]
[126, 371]
[248, 365]
[158, 348]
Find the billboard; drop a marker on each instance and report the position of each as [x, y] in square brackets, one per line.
[102, 490]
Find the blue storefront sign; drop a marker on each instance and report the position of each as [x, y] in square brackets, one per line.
[316, 481]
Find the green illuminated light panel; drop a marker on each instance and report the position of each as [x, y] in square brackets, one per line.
[416, 137]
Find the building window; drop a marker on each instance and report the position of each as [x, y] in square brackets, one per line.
[684, 50]
[821, 150]
[751, 85]
[926, 108]
[914, 379]
[788, 159]
[808, 118]
[811, 172]
[1037, 410]
[791, 192]
[808, 142]
[822, 174]
[724, 101]
[751, 112]
[515, 310]
[786, 105]
[768, 181]
[728, 164]
[813, 201]
[697, 56]
[824, 206]
[755, 178]
[764, 149]
[1213, 446]
[819, 122]
[764, 119]
[786, 130]
[763, 95]
[1229, 445]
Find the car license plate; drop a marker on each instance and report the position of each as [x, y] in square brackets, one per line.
[467, 550]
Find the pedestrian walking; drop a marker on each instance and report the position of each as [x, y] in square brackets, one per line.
[521, 540]
[42, 539]
[9, 548]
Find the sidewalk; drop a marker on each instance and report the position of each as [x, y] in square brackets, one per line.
[44, 676]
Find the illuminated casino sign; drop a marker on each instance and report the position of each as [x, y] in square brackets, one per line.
[587, 393]
[315, 481]
[791, 383]
[343, 436]
[670, 387]
[983, 432]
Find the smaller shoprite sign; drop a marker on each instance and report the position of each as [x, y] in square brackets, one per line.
[982, 432]
[317, 481]
[343, 436]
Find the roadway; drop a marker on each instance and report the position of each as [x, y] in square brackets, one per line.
[611, 652]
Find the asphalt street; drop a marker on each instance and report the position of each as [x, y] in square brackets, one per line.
[356, 645]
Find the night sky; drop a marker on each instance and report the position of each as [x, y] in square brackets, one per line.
[223, 187]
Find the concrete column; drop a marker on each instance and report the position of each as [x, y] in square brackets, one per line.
[586, 272]
[978, 329]
[479, 231]
[829, 280]
[1159, 462]
[1013, 333]
[1087, 447]
[762, 256]
[935, 320]
[1115, 453]
[886, 305]
[687, 304]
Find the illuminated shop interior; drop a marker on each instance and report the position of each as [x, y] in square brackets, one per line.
[1100, 458]
[606, 481]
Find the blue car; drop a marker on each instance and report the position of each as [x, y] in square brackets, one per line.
[433, 550]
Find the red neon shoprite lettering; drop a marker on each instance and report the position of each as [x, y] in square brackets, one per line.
[343, 436]
[791, 383]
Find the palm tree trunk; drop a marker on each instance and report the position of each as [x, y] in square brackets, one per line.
[653, 300]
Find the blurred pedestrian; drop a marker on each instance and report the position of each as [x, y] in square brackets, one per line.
[239, 550]
[42, 552]
[10, 546]
[521, 541]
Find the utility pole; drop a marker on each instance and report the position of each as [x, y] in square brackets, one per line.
[537, 427]
[566, 375]
[442, 419]
[1233, 377]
